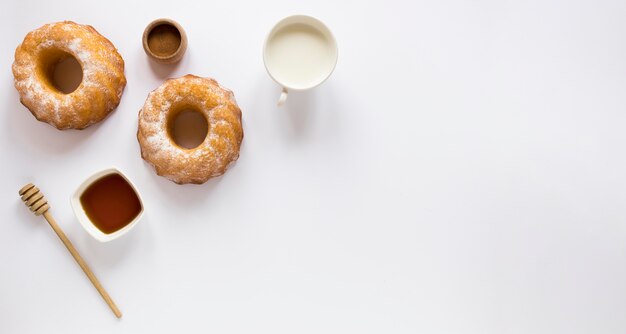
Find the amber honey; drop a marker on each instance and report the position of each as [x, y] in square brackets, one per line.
[110, 203]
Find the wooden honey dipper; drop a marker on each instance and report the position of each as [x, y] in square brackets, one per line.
[37, 203]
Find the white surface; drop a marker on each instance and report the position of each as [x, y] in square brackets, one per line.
[462, 171]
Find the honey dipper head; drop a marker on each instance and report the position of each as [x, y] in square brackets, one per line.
[34, 199]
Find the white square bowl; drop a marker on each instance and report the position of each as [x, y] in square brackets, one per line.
[84, 220]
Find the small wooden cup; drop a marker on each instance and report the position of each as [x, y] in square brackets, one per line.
[164, 41]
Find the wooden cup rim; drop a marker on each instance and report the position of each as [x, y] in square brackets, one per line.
[174, 57]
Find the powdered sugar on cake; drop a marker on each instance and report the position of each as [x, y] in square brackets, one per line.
[103, 75]
[224, 129]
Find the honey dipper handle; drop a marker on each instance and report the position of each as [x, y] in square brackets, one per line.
[82, 264]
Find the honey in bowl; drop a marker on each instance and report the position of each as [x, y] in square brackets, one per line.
[110, 203]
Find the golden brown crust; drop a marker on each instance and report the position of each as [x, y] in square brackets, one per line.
[219, 149]
[103, 75]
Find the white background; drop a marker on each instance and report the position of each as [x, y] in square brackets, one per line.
[462, 171]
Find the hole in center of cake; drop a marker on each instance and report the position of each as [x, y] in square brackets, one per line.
[188, 128]
[65, 73]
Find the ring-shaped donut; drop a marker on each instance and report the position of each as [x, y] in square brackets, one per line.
[218, 150]
[103, 79]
